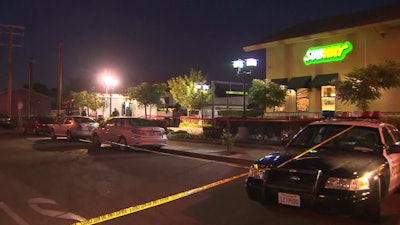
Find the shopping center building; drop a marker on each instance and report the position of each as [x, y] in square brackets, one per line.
[308, 56]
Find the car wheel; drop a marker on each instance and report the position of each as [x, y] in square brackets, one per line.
[69, 136]
[95, 141]
[371, 210]
[122, 143]
[157, 147]
[53, 135]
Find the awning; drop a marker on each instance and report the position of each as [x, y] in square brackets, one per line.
[299, 82]
[323, 79]
[280, 81]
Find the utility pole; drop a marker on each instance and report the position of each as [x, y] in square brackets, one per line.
[31, 61]
[60, 47]
[11, 30]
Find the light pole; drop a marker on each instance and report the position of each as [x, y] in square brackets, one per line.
[202, 87]
[244, 68]
[110, 83]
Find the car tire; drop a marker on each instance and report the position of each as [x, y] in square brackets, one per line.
[122, 143]
[95, 141]
[157, 148]
[53, 135]
[69, 136]
[373, 207]
[370, 210]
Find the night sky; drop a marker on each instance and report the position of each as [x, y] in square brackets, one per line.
[149, 40]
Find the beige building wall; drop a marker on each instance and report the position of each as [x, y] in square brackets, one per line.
[371, 45]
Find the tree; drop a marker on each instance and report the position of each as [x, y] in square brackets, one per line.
[81, 99]
[147, 94]
[363, 85]
[95, 102]
[266, 94]
[87, 99]
[183, 90]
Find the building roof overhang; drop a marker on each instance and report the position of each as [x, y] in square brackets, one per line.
[380, 20]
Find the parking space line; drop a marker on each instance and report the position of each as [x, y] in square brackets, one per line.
[35, 203]
[141, 207]
[12, 214]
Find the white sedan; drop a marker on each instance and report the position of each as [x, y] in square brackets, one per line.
[74, 127]
[128, 131]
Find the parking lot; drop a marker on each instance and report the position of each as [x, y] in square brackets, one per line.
[60, 182]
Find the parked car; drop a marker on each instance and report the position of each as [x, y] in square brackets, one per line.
[39, 125]
[345, 165]
[130, 131]
[74, 127]
[5, 120]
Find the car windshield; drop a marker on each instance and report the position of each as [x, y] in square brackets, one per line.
[357, 138]
[137, 122]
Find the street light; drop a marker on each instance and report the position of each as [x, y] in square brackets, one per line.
[244, 68]
[110, 82]
[202, 87]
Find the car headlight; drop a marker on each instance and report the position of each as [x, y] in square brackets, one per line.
[357, 184]
[257, 171]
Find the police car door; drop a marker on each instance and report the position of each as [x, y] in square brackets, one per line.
[390, 136]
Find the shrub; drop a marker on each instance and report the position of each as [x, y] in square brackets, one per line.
[212, 132]
[182, 134]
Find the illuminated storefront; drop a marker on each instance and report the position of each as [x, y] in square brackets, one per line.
[308, 56]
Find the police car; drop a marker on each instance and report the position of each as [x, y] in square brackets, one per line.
[346, 165]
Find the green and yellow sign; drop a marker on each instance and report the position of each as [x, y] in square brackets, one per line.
[327, 53]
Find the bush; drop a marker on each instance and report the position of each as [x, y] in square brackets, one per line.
[182, 134]
[212, 132]
[190, 124]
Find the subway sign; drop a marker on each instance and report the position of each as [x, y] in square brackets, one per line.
[327, 53]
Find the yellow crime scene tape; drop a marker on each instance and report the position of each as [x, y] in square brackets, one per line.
[141, 207]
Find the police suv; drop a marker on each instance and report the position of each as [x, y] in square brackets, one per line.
[343, 165]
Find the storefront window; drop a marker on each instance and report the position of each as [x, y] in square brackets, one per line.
[302, 99]
[328, 94]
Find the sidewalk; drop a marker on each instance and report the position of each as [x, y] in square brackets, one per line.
[243, 154]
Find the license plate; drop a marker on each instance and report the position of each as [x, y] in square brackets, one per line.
[288, 199]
